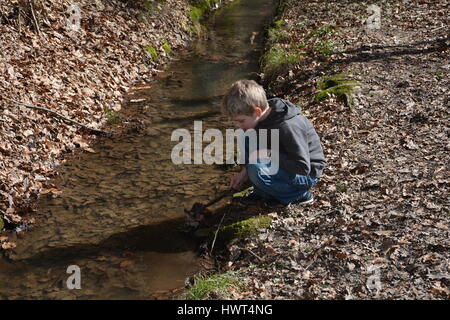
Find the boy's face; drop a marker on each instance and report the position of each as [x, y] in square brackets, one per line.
[245, 122]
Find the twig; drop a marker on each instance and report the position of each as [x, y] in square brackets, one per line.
[317, 252]
[252, 253]
[220, 197]
[33, 14]
[437, 29]
[314, 258]
[217, 231]
[58, 115]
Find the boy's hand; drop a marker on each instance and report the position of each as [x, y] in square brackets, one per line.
[239, 179]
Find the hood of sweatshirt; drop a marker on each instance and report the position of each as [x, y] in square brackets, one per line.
[281, 110]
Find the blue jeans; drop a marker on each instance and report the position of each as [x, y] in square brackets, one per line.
[284, 186]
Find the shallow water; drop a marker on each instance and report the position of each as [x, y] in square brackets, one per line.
[120, 209]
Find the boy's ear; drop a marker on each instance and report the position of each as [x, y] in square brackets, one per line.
[258, 111]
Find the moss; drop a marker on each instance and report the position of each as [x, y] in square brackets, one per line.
[336, 85]
[323, 31]
[112, 116]
[300, 45]
[278, 58]
[152, 51]
[279, 23]
[237, 230]
[166, 47]
[276, 33]
[325, 47]
[151, 7]
[243, 193]
[214, 286]
[198, 10]
[195, 14]
[341, 187]
[2, 224]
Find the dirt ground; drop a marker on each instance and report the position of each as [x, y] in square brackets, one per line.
[379, 228]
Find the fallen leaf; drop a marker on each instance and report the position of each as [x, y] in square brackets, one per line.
[8, 245]
[383, 232]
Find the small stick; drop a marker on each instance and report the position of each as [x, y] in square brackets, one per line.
[251, 252]
[58, 115]
[33, 14]
[220, 197]
[217, 231]
[437, 29]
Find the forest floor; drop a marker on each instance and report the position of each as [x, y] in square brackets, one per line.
[379, 228]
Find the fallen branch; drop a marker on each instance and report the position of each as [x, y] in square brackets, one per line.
[59, 115]
[437, 29]
[217, 231]
[33, 14]
[252, 253]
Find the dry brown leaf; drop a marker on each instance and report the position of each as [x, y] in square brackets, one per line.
[8, 245]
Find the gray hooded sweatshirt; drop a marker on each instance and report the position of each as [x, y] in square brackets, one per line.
[300, 148]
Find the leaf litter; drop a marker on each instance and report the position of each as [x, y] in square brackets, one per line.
[379, 228]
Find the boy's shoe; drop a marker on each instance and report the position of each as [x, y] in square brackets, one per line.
[251, 199]
[274, 203]
[305, 200]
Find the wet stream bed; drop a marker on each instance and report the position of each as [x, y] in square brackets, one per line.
[120, 209]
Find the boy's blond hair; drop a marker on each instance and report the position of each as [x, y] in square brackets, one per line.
[243, 97]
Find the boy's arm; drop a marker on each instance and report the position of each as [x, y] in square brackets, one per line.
[238, 179]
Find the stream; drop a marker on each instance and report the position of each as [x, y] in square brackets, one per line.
[120, 209]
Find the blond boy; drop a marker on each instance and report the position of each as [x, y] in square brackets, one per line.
[301, 158]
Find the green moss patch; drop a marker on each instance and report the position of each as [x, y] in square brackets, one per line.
[276, 32]
[214, 286]
[325, 47]
[166, 47]
[198, 10]
[323, 31]
[152, 51]
[278, 58]
[237, 230]
[337, 85]
[112, 116]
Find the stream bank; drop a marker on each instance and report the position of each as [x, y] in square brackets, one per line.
[84, 72]
[115, 212]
